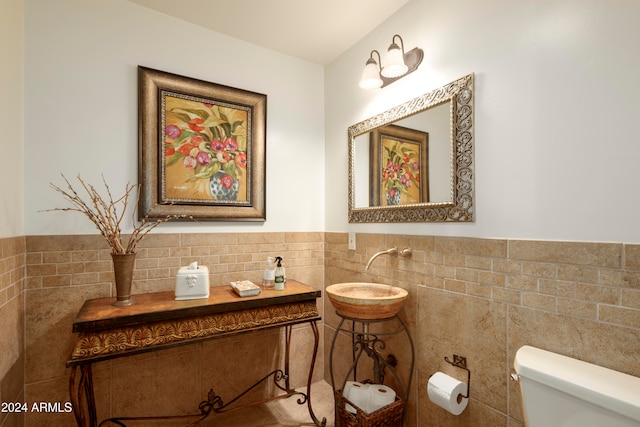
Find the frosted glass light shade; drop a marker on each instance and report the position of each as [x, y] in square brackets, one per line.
[370, 76]
[394, 63]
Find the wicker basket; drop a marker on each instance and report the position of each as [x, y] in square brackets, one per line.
[388, 416]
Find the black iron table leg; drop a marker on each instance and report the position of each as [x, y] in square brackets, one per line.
[82, 397]
[316, 336]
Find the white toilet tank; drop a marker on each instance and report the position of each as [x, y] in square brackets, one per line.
[558, 391]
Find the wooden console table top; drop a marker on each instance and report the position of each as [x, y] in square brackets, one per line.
[97, 314]
[157, 320]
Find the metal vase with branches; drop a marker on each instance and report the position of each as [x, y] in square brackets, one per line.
[107, 214]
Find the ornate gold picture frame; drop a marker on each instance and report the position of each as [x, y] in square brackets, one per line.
[400, 160]
[201, 149]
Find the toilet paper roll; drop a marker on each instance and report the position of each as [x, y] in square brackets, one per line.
[447, 392]
[345, 392]
[358, 394]
[381, 396]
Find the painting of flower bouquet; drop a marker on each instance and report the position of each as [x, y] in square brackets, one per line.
[205, 152]
[399, 166]
[202, 148]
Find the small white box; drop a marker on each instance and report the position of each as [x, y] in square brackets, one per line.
[192, 283]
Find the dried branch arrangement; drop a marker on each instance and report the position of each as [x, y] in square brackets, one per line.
[107, 213]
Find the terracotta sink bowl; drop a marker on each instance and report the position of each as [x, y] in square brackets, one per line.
[369, 301]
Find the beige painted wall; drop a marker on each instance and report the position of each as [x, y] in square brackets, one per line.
[12, 118]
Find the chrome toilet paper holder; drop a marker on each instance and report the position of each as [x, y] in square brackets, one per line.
[461, 362]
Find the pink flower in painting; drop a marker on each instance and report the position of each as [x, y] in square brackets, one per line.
[189, 162]
[172, 131]
[226, 181]
[416, 166]
[217, 145]
[231, 144]
[203, 158]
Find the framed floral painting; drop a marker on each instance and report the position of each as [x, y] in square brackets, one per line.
[201, 149]
[399, 159]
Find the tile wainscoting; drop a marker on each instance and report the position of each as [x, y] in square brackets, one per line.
[12, 280]
[485, 298]
[63, 271]
[480, 298]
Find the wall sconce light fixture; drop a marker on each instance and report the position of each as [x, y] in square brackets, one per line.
[397, 64]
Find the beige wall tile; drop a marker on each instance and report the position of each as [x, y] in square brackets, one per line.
[492, 278]
[566, 284]
[507, 266]
[55, 390]
[576, 273]
[455, 260]
[49, 314]
[539, 269]
[631, 298]
[12, 354]
[523, 283]
[231, 365]
[585, 339]
[596, 254]
[471, 327]
[478, 289]
[56, 257]
[620, 278]
[164, 385]
[543, 302]
[507, 295]
[588, 340]
[12, 344]
[557, 287]
[632, 257]
[472, 246]
[455, 286]
[578, 299]
[577, 308]
[82, 269]
[467, 274]
[619, 315]
[594, 293]
[479, 263]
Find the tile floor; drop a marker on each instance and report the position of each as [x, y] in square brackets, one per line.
[281, 412]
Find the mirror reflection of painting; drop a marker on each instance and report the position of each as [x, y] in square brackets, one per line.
[387, 184]
[400, 166]
[205, 147]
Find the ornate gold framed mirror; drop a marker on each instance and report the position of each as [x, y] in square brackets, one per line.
[415, 162]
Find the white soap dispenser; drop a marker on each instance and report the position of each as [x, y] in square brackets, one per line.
[269, 274]
[279, 274]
